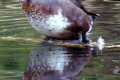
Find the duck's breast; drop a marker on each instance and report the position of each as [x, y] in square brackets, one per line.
[50, 25]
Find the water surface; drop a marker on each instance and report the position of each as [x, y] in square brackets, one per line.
[22, 55]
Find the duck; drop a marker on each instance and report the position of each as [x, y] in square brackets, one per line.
[59, 19]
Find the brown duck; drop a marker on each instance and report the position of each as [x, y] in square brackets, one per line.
[59, 19]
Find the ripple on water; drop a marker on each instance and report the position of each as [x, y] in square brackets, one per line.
[18, 41]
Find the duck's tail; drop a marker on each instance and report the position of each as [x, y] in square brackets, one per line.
[93, 16]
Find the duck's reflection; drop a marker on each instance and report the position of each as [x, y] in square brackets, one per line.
[56, 63]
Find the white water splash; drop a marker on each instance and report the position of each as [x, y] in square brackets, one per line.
[100, 43]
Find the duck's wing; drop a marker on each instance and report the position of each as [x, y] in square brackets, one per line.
[79, 4]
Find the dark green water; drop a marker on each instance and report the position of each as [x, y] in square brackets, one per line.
[21, 51]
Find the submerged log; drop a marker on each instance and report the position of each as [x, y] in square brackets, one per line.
[60, 43]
